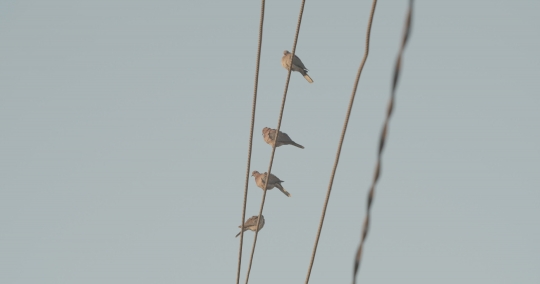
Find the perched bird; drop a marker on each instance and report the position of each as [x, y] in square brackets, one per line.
[274, 181]
[297, 65]
[269, 135]
[251, 224]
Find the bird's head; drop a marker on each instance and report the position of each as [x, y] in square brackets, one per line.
[286, 52]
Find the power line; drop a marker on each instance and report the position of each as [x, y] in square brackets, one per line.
[250, 147]
[277, 132]
[336, 162]
[382, 140]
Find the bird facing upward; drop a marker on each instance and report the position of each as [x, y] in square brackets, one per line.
[297, 65]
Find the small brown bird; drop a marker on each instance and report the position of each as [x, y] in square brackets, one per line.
[274, 181]
[251, 224]
[283, 139]
[297, 65]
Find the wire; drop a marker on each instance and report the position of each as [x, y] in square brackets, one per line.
[275, 138]
[336, 162]
[382, 140]
[253, 107]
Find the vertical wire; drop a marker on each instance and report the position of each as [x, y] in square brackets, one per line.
[275, 138]
[382, 141]
[336, 162]
[250, 147]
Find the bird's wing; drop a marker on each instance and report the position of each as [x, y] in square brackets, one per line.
[251, 221]
[283, 137]
[298, 62]
[274, 179]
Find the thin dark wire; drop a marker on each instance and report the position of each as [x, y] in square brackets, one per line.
[336, 162]
[253, 107]
[382, 140]
[275, 138]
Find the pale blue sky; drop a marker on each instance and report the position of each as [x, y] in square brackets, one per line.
[125, 127]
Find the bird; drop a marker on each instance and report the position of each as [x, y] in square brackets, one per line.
[269, 135]
[251, 223]
[274, 181]
[297, 65]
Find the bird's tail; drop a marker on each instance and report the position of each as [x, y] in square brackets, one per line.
[308, 78]
[238, 234]
[297, 145]
[283, 190]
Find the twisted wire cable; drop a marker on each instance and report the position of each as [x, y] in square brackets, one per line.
[382, 140]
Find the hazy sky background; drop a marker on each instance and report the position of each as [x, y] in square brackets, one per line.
[124, 131]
